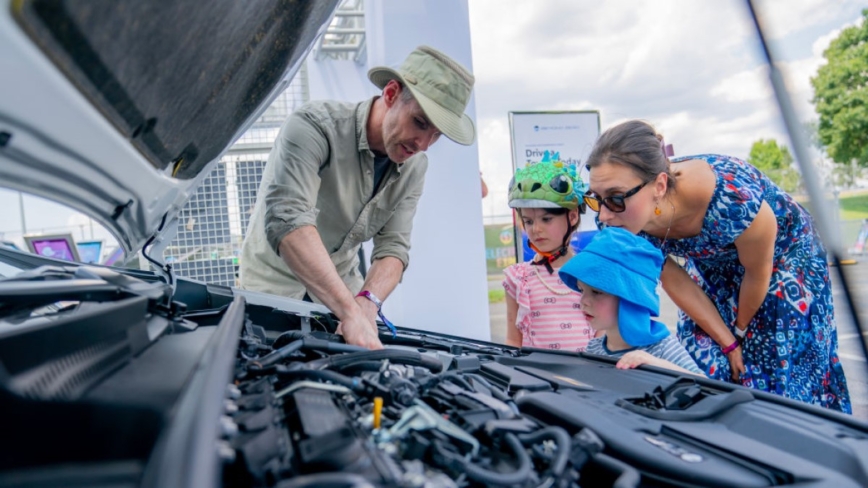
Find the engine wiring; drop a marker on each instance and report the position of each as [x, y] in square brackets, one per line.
[167, 268]
[392, 417]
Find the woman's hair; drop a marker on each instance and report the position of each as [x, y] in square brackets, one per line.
[554, 211]
[636, 145]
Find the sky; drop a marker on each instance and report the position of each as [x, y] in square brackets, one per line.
[690, 67]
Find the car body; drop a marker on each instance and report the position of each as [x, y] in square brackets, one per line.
[113, 377]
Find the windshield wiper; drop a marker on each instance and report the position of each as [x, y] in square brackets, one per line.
[18, 296]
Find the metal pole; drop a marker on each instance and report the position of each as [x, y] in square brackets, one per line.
[21, 210]
[809, 174]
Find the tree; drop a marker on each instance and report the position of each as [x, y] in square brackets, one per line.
[847, 175]
[776, 162]
[841, 96]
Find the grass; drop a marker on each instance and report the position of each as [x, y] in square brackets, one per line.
[854, 207]
[496, 296]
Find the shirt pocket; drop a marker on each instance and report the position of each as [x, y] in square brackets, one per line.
[379, 217]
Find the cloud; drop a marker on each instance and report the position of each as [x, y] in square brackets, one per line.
[798, 73]
[745, 86]
[695, 72]
[786, 18]
[822, 43]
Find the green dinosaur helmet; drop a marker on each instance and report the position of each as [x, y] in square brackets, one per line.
[551, 183]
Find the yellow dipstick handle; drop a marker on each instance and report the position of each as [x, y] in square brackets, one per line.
[378, 411]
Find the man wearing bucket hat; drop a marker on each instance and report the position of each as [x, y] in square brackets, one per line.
[340, 174]
[617, 274]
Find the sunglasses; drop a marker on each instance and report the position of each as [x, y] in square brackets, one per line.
[615, 203]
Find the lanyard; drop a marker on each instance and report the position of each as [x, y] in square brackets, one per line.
[390, 325]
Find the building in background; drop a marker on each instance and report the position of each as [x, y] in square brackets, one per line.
[213, 223]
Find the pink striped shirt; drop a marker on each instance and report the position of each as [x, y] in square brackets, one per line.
[546, 319]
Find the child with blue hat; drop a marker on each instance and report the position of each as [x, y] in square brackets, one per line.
[617, 274]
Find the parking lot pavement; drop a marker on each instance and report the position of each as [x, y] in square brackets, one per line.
[849, 348]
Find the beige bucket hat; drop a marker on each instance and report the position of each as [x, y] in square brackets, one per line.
[440, 85]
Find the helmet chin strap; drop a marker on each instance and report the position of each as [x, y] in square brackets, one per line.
[547, 258]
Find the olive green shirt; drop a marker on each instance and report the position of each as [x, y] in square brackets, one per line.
[321, 172]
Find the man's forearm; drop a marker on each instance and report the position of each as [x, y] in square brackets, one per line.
[381, 281]
[303, 251]
[383, 277]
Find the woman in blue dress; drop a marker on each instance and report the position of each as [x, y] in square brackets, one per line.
[754, 295]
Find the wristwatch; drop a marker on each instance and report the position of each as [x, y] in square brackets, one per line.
[379, 303]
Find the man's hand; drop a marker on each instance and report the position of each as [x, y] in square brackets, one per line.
[303, 252]
[368, 308]
[360, 331]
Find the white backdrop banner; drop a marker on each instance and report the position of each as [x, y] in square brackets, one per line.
[572, 134]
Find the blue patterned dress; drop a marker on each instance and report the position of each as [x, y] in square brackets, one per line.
[791, 346]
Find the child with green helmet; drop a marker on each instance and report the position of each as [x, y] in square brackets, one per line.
[541, 311]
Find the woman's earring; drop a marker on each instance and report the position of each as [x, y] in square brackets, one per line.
[657, 210]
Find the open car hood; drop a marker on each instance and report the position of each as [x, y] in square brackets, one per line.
[120, 117]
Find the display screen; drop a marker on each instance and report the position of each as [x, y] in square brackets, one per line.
[54, 248]
[89, 251]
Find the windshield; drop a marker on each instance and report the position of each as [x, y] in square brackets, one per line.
[8, 271]
[48, 229]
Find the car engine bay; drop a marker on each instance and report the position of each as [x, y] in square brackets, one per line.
[110, 379]
[394, 417]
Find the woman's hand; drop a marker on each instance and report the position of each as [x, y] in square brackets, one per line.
[736, 363]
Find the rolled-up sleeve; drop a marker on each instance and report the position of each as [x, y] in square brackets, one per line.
[394, 238]
[301, 149]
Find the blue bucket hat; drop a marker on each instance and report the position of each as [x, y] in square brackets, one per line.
[627, 266]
